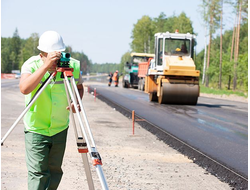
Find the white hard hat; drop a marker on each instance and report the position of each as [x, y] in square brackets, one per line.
[51, 41]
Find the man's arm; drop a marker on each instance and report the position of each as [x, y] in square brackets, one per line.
[29, 82]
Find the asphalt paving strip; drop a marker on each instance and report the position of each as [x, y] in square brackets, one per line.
[220, 170]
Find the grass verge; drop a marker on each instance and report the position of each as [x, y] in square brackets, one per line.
[208, 90]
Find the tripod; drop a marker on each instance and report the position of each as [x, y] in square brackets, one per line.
[85, 141]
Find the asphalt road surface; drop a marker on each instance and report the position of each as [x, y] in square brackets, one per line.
[216, 127]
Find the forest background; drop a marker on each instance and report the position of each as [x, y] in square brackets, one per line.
[223, 62]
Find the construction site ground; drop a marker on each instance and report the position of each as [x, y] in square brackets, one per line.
[130, 162]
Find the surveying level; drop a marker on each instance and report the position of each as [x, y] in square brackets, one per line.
[83, 143]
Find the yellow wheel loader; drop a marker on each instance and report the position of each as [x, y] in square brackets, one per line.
[172, 77]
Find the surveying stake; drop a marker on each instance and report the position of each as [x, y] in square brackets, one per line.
[83, 143]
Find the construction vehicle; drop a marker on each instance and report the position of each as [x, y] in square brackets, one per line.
[142, 72]
[130, 79]
[172, 77]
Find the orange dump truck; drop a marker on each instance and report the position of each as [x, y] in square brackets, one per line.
[142, 72]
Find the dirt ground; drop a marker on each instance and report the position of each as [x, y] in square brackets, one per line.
[130, 162]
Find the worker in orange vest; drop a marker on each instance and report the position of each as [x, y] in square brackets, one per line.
[116, 78]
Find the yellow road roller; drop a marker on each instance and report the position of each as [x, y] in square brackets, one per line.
[172, 77]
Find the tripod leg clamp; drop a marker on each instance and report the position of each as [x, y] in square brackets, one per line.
[82, 146]
[83, 150]
[96, 158]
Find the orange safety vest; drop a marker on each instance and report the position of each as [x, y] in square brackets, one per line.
[115, 77]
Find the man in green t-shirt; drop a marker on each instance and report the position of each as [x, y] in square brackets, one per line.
[47, 120]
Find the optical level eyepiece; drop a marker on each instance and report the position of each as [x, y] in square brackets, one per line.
[65, 55]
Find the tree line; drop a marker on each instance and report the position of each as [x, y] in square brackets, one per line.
[104, 67]
[225, 58]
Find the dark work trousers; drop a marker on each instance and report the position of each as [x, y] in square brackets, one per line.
[44, 156]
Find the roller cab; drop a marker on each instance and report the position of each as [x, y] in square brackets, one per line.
[172, 77]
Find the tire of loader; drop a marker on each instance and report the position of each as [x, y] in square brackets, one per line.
[185, 94]
[143, 87]
[124, 84]
[139, 84]
[153, 97]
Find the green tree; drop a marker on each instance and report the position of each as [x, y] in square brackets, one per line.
[15, 50]
[29, 48]
[183, 24]
[6, 65]
[160, 23]
[104, 68]
[211, 17]
[144, 30]
[142, 35]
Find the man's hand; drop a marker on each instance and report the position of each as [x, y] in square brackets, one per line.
[51, 60]
[73, 108]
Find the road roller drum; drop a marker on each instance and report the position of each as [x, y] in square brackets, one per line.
[186, 94]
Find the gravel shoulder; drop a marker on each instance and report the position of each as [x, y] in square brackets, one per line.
[226, 97]
[130, 162]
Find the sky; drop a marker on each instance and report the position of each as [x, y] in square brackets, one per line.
[101, 29]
